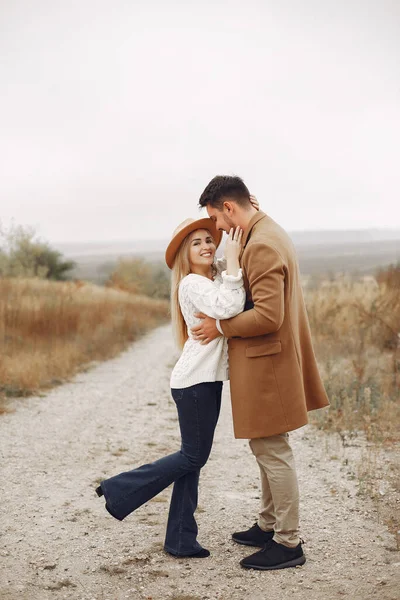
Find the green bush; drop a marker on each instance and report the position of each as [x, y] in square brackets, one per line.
[137, 276]
[23, 255]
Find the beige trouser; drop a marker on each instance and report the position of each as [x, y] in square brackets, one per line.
[279, 488]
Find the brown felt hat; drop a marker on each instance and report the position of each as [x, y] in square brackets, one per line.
[183, 230]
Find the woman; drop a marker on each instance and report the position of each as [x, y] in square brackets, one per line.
[199, 284]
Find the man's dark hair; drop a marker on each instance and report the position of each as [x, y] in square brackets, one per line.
[223, 186]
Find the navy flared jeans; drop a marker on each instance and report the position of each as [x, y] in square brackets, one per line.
[198, 411]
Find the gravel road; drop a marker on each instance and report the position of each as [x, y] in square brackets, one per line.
[57, 541]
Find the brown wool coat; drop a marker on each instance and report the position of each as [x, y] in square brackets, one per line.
[273, 372]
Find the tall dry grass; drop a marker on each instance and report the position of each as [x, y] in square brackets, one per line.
[356, 329]
[356, 326]
[50, 330]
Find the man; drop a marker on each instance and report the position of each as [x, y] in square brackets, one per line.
[273, 372]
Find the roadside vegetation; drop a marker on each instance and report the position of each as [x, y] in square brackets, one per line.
[137, 276]
[356, 332]
[51, 328]
[22, 254]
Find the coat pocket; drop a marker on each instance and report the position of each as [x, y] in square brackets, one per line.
[264, 349]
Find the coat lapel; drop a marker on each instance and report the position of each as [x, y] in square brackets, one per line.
[257, 217]
[247, 233]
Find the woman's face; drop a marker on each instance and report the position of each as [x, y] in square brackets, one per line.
[201, 248]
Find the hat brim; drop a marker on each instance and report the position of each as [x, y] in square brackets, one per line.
[177, 240]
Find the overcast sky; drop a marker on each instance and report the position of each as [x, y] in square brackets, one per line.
[115, 115]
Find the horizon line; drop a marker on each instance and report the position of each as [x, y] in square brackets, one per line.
[289, 231]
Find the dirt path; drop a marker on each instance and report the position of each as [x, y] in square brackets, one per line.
[57, 541]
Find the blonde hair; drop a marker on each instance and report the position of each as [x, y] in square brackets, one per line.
[180, 269]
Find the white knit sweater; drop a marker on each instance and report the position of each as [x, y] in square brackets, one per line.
[222, 298]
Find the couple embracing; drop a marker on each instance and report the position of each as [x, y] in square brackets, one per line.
[243, 318]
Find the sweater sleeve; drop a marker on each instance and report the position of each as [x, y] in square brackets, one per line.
[221, 302]
[266, 275]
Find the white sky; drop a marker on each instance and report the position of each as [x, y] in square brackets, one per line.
[115, 115]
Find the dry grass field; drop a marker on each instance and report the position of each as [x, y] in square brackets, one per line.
[356, 327]
[50, 330]
[356, 331]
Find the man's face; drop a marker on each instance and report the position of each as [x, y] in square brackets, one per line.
[224, 219]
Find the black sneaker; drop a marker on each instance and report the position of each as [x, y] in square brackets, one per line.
[274, 556]
[254, 536]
